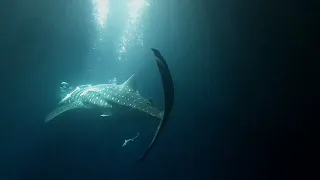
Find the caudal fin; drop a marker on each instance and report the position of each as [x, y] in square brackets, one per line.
[151, 144]
[168, 88]
[160, 115]
[62, 109]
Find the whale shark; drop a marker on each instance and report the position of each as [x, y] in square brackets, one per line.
[107, 98]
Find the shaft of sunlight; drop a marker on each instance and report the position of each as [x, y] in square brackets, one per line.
[133, 31]
[100, 12]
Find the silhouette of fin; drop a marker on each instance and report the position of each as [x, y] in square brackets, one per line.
[168, 88]
[62, 109]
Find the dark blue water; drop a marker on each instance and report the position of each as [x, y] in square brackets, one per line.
[239, 93]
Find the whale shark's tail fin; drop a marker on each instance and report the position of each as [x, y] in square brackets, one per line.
[160, 115]
[62, 109]
[168, 88]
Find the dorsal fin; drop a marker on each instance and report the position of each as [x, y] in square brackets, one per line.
[131, 83]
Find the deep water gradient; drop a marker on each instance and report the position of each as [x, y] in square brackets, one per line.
[244, 81]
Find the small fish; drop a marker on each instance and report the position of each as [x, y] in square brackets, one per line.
[128, 140]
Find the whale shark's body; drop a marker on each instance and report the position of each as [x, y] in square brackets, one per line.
[106, 98]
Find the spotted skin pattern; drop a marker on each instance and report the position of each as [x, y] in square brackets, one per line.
[105, 96]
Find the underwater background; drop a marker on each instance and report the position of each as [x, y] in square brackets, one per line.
[238, 89]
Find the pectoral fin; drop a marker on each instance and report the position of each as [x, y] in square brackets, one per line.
[62, 109]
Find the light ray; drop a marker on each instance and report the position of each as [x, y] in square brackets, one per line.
[133, 32]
